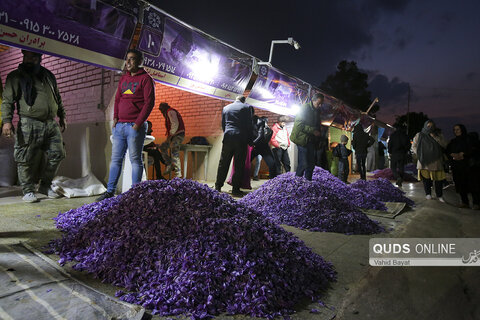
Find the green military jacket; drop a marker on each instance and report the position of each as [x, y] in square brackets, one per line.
[306, 122]
[47, 105]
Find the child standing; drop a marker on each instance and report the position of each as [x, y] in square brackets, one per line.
[342, 153]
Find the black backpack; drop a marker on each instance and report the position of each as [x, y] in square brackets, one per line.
[199, 140]
[268, 133]
[336, 151]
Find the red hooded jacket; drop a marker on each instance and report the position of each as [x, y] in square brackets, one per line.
[135, 98]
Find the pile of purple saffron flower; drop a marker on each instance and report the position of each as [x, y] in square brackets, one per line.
[179, 247]
[323, 204]
[381, 189]
[364, 200]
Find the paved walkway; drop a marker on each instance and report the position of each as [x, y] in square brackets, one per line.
[361, 292]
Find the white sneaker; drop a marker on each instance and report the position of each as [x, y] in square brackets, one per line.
[441, 199]
[49, 193]
[428, 197]
[30, 197]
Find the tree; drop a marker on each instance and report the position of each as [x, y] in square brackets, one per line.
[350, 85]
[415, 122]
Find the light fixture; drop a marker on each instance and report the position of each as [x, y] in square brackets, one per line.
[373, 102]
[293, 43]
[289, 41]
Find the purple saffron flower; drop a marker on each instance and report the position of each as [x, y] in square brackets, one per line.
[179, 247]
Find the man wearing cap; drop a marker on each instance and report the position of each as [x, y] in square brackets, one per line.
[33, 89]
[342, 152]
[305, 130]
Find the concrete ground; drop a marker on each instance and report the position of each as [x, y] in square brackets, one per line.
[361, 292]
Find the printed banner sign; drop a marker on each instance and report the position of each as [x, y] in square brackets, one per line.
[409, 252]
[346, 117]
[277, 92]
[89, 31]
[181, 57]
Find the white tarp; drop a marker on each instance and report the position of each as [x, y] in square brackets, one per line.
[82, 187]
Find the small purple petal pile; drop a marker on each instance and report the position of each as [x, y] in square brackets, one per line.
[411, 168]
[387, 173]
[318, 205]
[180, 247]
[382, 189]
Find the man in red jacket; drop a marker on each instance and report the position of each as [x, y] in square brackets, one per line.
[175, 135]
[134, 101]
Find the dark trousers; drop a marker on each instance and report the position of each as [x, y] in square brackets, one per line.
[461, 177]
[475, 184]
[306, 161]
[321, 158]
[268, 157]
[281, 158]
[427, 186]
[343, 169]
[381, 162]
[232, 148]
[157, 158]
[361, 160]
[397, 164]
[35, 138]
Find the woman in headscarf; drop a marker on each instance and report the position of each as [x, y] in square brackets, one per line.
[429, 146]
[459, 153]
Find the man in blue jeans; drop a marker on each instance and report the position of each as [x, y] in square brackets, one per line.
[134, 101]
[305, 129]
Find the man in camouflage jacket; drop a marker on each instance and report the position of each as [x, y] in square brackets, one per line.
[33, 90]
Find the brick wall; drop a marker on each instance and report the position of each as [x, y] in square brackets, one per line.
[80, 88]
[79, 84]
[202, 115]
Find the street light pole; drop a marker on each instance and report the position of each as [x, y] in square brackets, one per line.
[371, 105]
[289, 41]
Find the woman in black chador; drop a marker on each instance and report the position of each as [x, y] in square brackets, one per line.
[459, 151]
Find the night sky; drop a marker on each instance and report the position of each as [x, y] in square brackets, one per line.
[431, 45]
